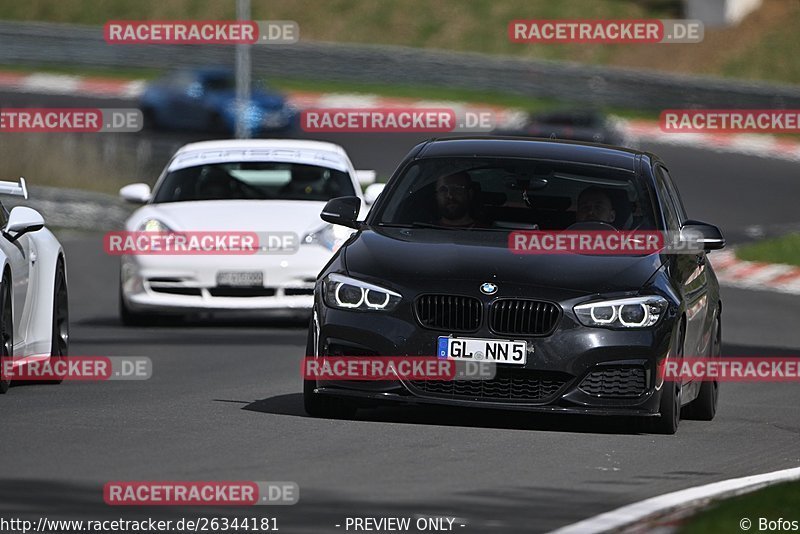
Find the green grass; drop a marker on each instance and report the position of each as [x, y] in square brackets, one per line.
[72, 161]
[785, 249]
[768, 45]
[772, 503]
[414, 91]
[761, 62]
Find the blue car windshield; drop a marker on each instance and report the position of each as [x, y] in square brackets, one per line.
[253, 181]
[220, 83]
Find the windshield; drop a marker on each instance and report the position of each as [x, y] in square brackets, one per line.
[220, 83]
[253, 181]
[497, 194]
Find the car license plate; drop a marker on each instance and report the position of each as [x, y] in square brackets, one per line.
[240, 278]
[483, 350]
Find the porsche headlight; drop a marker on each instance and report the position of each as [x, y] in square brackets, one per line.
[348, 293]
[634, 312]
[330, 236]
[154, 225]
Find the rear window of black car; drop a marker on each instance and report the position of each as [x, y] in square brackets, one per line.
[517, 193]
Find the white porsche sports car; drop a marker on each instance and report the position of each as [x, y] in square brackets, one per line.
[34, 314]
[275, 188]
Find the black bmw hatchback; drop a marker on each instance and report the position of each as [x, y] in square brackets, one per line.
[430, 272]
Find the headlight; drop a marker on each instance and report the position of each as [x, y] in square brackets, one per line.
[635, 312]
[348, 293]
[154, 225]
[329, 236]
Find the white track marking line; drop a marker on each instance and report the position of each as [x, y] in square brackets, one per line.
[52, 83]
[641, 510]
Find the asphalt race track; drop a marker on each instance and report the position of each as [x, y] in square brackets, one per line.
[224, 403]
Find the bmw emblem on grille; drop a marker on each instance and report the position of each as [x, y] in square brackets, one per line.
[488, 288]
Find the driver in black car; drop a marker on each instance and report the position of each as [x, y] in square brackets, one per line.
[455, 200]
[594, 205]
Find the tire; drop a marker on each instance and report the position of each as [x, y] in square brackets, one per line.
[670, 407]
[59, 340]
[322, 406]
[6, 329]
[704, 407]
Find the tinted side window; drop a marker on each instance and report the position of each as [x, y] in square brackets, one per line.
[675, 194]
[665, 199]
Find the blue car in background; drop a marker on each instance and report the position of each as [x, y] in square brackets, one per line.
[205, 100]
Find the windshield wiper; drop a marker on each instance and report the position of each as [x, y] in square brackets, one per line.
[417, 225]
[439, 226]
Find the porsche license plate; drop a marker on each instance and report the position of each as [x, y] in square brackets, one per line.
[240, 278]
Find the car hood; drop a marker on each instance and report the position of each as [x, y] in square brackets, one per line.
[298, 216]
[480, 256]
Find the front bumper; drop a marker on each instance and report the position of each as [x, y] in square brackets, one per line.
[183, 284]
[574, 369]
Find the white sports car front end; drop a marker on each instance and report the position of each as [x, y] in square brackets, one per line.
[274, 189]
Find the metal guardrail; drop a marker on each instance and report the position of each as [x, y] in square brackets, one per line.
[45, 43]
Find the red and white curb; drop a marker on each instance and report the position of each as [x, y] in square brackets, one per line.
[761, 145]
[732, 271]
[642, 511]
[62, 84]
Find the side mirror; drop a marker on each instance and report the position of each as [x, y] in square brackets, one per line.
[372, 192]
[136, 193]
[705, 236]
[343, 211]
[22, 220]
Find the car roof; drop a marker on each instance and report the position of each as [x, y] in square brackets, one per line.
[283, 150]
[208, 71]
[526, 147]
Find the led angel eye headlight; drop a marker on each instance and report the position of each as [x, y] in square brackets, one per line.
[634, 312]
[348, 296]
[347, 293]
[377, 305]
[603, 314]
